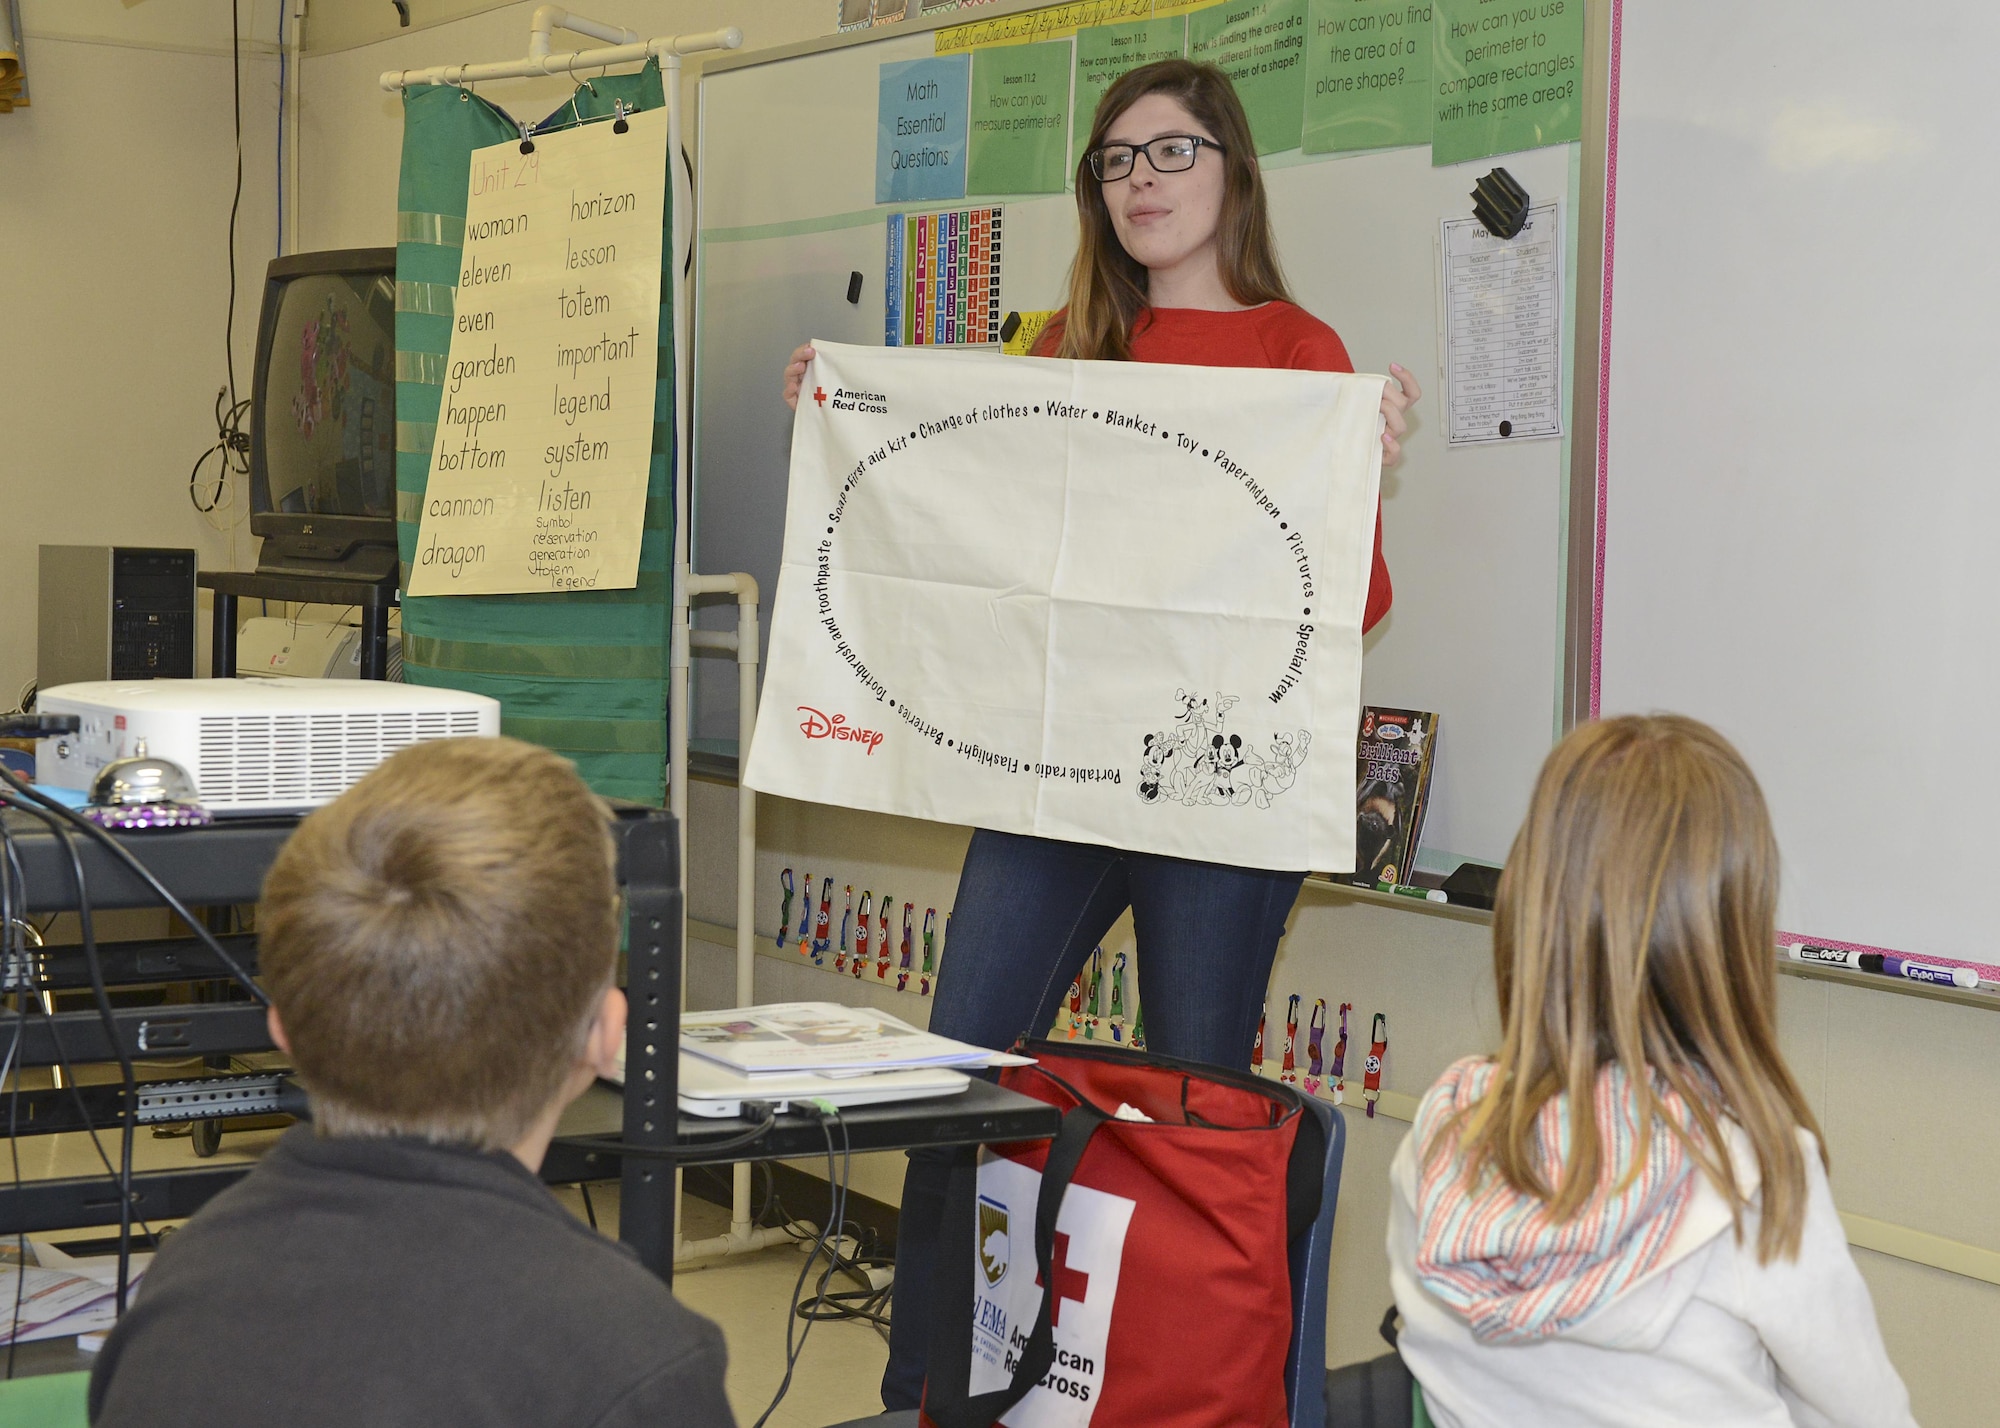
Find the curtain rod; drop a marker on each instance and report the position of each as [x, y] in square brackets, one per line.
[625, 47]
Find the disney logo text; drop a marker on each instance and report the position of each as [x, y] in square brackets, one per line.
[835, 726]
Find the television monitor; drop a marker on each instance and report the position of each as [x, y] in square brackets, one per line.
[323, 416]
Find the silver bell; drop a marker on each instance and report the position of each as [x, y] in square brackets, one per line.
[124, 783]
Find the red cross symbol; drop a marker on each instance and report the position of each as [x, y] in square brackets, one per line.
[1070, 1283]
[819, 395]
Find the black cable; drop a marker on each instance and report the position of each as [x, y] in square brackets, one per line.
[129, 1083]
[588, 1208]
[42, 805]
[670, 1152]
[836, 1186]
[12, 942]
[83, 1111]
[128, 1078]
[236, 94]
[232, 444]
[231, 449]
[14, 1152]
[871, 1304]
[283, 5]
[69, 1077]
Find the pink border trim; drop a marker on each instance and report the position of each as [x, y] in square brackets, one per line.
[1987, 971]
[1604, 362]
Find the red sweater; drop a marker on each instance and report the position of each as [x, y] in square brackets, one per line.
[1278, 334]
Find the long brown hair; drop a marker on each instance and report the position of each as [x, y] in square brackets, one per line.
[1107, 286]
[1635, 923]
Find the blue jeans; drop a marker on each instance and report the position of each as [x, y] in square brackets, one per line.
[1028, 913]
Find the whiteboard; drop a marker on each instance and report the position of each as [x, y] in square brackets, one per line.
[1474, 537]
[1801, 489]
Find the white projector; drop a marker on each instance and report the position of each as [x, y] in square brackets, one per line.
[253, 745]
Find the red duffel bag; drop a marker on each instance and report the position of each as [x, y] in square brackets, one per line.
[1161, 1214]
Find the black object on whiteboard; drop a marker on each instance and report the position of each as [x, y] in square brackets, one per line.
[1500, 204]
[854, 287]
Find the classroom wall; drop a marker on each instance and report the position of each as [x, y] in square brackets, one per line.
[115, 190]
[1895, 1080]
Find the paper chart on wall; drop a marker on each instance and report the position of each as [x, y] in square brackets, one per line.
[545, 432]
[1109, 602]
[1503, 330]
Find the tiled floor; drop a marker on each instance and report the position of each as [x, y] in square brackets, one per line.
[750, 1296]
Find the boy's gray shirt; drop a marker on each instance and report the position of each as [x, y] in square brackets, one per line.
[393, 1282]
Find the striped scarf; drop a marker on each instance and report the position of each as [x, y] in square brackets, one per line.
[1499, 1259]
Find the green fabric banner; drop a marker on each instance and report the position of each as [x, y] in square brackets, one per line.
[582, 673]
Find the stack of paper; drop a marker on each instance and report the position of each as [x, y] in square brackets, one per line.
[822, 1037]
[59, 1295]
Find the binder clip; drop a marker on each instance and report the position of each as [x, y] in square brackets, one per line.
[1500, 204]
[618, 112]
[527, 138]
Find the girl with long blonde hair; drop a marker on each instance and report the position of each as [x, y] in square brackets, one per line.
[1622, 1219]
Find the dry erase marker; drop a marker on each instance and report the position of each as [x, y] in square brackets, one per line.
[1403, 890]
[1824, 956]
[1910, 970]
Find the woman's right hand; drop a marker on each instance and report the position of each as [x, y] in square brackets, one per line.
[795, 374]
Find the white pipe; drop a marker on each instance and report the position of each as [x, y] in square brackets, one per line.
[664, 49]
[547, 19]
[689, 1254]
[742, 1236]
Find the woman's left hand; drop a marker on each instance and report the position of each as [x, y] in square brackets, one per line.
[1399, 394]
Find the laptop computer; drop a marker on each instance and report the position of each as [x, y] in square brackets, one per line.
[715, 1092]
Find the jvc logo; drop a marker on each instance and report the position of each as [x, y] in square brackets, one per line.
[816, 725]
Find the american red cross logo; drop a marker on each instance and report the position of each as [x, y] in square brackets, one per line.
[819, 395]
[1070, 1283]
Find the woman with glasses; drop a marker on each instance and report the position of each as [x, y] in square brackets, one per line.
[1174, 263]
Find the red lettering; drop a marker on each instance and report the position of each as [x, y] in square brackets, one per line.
[816, 725]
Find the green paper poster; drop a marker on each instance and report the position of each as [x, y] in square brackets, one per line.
[1505, 79]
[1020, 119]
[1261, 46]
[1368, 74]
[1104, 53]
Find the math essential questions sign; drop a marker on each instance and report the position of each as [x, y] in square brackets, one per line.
[1112, 602]
[545, 431]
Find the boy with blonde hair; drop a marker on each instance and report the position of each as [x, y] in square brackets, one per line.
[439, 947]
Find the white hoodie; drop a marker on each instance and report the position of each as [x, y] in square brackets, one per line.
[1710, 1339]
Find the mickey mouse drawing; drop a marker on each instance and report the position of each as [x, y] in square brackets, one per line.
[1199, 763]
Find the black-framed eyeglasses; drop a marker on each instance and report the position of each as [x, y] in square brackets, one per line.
[1168, 154]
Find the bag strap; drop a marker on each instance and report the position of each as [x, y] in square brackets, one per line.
[1038, 1355]
[1305, 1175]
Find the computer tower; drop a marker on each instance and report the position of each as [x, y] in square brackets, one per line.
[115, 612]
